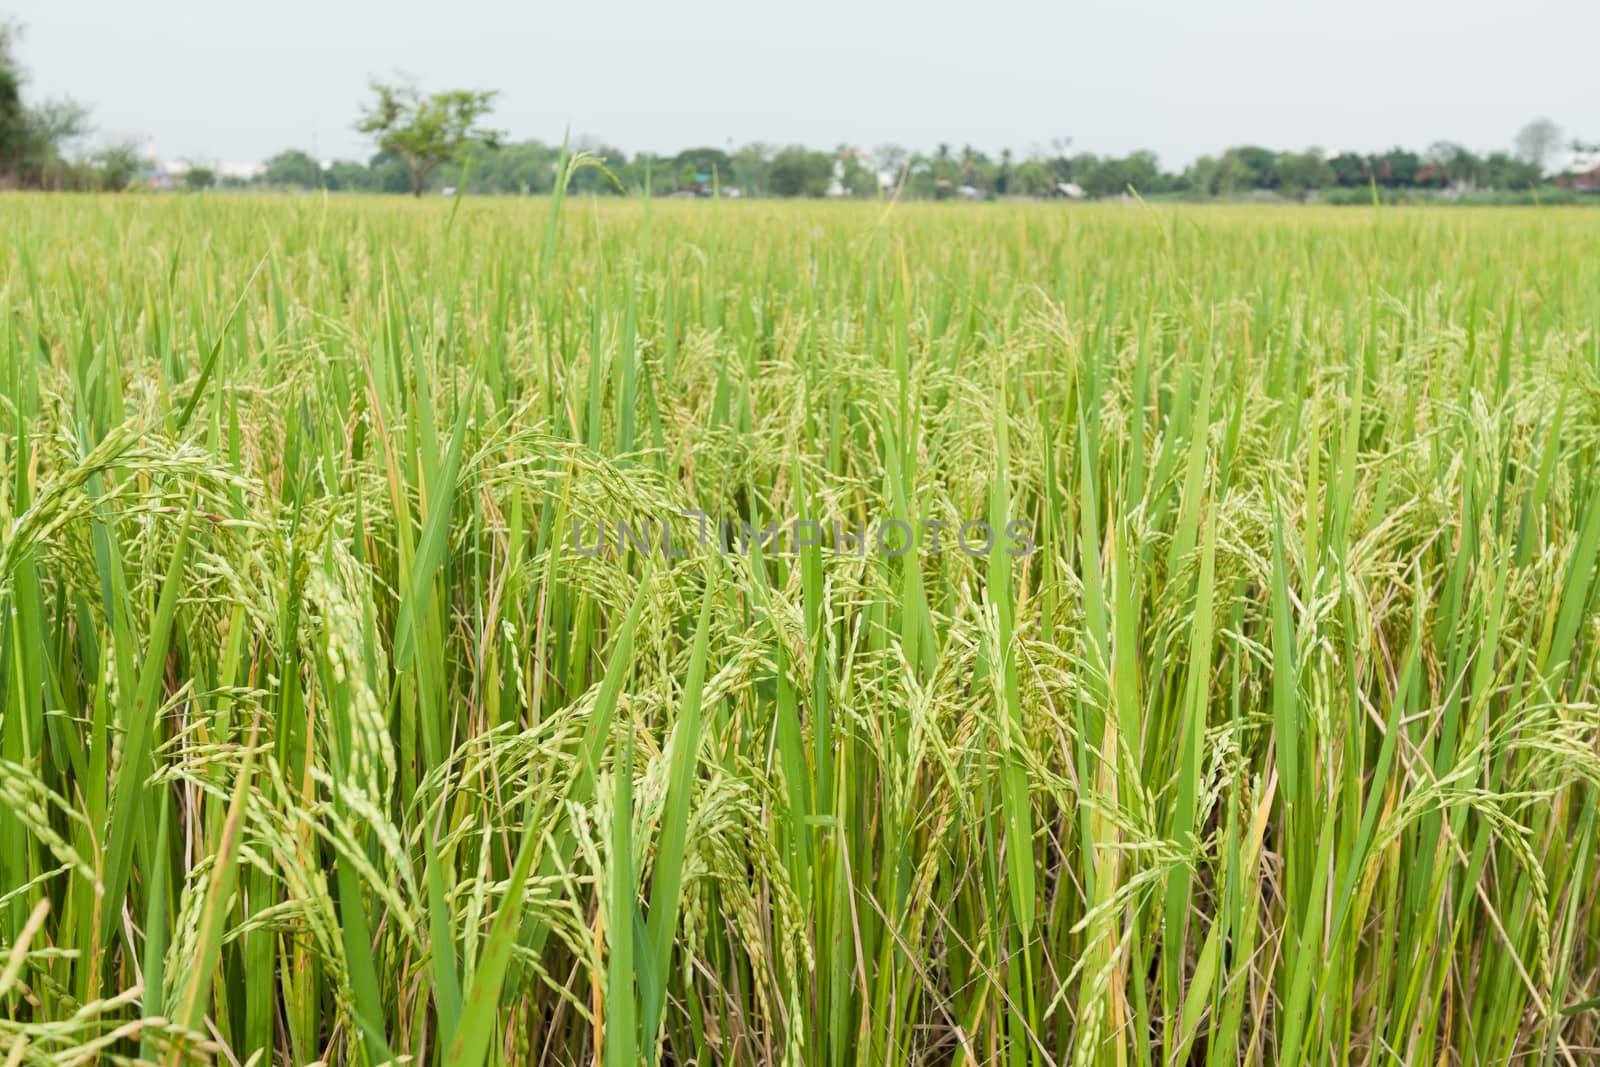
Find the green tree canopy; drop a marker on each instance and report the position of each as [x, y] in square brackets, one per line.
[427, 130]
[697, 161]
[31, 138]
[799, 171]
[292, 167]
[13, 119]
[1301, 172]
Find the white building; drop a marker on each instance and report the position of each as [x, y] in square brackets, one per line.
[1576, 163]
[243, 171]
[836, 180]
[175, 169]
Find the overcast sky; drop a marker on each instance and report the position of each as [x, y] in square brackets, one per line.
[233, 82]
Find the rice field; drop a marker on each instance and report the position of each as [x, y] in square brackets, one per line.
[527, 632]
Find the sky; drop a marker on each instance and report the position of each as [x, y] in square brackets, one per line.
[214, 81]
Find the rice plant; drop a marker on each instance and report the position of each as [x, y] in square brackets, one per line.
[742, 633]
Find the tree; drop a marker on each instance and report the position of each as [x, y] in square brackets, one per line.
[1141, 171]
[47, 129]
[1538, 141]
[1397, 168]
[13, 119]
[56, 122]
[1242, 169]
[1349, 169]
[197, 178]
[1302, 172]
[1504, 171]
[918, 181]
[973, 165]
[348, 176]
[1203, 176]
[118, 164]
[518, 167]
[693, 162]
[798, 171]
[388, 173]
[1096, 176]
[1113, 177]
[1439, 153]
[891, 157]
[1238, 170]
[1033, 178]
[427, 131]
[1254, 167]
[1465, 167]
[31, 138]
[855, 176]
[1453, 164]
[292, 167]
[750, 167]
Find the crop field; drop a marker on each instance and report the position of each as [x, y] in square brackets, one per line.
[538, 632]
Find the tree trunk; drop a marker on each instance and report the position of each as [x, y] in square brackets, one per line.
[416, 182]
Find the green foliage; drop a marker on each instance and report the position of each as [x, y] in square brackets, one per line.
[292, 169]
[529, 167]
[14, 132]
[799, 171]
[32, 139]
[118, 165]
[426, 130]
[1301, 172]
[697, 161]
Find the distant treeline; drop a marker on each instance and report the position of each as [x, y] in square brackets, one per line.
[529, 167]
